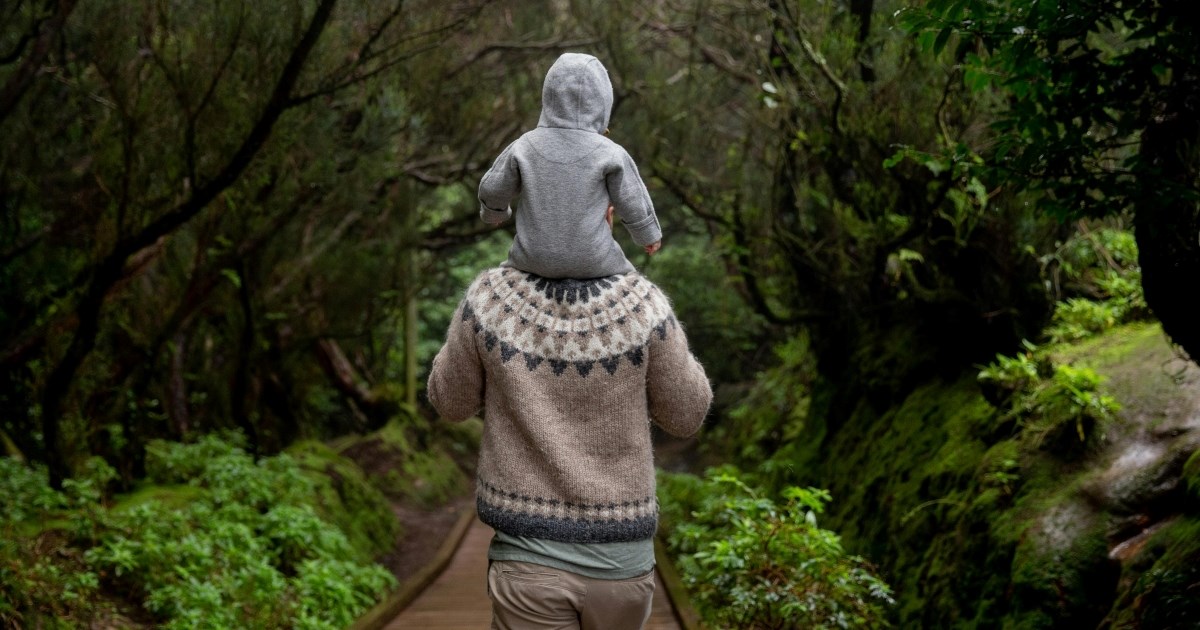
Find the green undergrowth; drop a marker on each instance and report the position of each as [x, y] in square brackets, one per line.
[973, 497]
[212, 539]
[976, 497]
[345, 496]
[752, 560]
[424, 464]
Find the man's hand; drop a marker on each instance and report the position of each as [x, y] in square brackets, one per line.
[608, 216]
[653, 247]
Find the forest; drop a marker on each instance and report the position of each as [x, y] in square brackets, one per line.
[939, 259]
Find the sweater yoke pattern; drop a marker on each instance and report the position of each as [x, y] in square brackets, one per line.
[584, 325]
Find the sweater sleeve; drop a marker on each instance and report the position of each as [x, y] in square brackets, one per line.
[678, 390]
[631, 201]
[456, 381]
[499, 186]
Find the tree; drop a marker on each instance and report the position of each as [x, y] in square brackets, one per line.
[196, 207]
[777, 125]
[1101, 116]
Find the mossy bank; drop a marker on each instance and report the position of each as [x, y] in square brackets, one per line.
[977, 524]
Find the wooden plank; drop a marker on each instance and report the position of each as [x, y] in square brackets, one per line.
[685, 613]
[458, 598]
[662, 616]
[410, 589]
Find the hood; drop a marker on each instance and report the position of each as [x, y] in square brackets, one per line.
[577, 94]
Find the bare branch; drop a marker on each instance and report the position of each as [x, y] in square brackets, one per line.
[558, 44]
[20, 80]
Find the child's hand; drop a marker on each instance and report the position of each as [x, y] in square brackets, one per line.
[653, 247]
[608, 216]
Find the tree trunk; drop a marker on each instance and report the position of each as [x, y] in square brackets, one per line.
[376, 409]
[1167, 218]
[177, 394]
[410, 331]
[241, 378]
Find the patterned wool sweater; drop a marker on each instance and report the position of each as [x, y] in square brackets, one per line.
[569, 375]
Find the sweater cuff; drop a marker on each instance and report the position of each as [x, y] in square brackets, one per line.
[645, 232]
[494, 217]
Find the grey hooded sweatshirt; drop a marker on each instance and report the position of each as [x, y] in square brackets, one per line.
[563, 175]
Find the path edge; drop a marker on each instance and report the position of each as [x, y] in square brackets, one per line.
[681, 602]
[409, 589]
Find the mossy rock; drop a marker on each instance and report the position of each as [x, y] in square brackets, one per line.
[1061, 573]
[1161, 588]
[1191, 477]
[961, 511]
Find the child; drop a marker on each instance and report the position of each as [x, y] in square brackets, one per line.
[570, 178]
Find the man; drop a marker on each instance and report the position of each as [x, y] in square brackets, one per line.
[569, 373]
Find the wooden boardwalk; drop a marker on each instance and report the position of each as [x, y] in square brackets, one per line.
[458, 598]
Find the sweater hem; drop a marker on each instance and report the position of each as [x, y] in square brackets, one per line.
[566, 529]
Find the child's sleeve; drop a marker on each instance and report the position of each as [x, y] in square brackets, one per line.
[631, 201]
[456, 381]
[499, 186]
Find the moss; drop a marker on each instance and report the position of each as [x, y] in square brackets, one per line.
[1061, 572]
[347, 499]
[168, 496]
[1191, 475]
[913, 470]
[972, 522]
[934, 428]
[1134, 358]
[417, 462]
[1159, 588]
[1112, 349]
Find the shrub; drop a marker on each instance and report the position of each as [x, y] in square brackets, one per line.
[1050, 403]
[1078, 318]
[39, 576]
[246, 549]
[751, 562]
[1102, 283]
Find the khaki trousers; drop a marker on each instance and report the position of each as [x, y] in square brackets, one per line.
[534, 597]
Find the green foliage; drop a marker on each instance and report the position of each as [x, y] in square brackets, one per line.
[36, 589]
[1043, 398]
[25, 493]
[1082, 81]
[33, 583]
[1015, 373]
[1078, 318]
[724, 332]
[772, 413]
[248, 548]
[1097, 272]
[170, 463]
[348, 497]
[752, 561]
